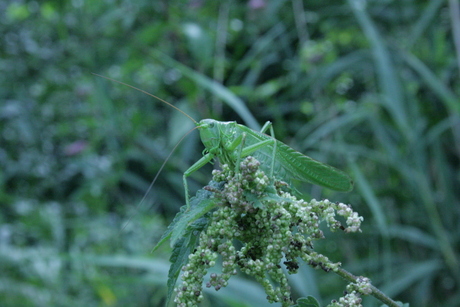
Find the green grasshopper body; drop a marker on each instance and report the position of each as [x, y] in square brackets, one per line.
[230, 142]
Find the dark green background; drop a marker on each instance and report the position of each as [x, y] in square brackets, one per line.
[369, 87]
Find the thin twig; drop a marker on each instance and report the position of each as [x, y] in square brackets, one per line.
[375, 292]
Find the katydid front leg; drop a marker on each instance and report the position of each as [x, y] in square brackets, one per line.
[196, 166]
[206, 159]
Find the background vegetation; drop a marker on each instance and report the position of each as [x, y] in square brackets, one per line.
[371, 87]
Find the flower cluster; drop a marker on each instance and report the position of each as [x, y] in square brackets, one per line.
[274, 228]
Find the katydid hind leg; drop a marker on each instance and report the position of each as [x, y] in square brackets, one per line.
[265, 127]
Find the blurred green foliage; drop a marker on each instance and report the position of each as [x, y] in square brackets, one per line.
[369, 87]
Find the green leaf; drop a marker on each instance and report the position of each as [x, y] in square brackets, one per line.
[195, 212]
[200, 204]
[167, 234]
[184, 232]
[308, 301]
[179, 257]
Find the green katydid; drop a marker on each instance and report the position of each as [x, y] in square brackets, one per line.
[229, 142]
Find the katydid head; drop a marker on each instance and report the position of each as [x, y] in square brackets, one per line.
[209, 133]
[213, 133]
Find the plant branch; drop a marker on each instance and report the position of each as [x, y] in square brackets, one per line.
[375, 292]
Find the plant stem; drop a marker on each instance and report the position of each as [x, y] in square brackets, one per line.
[375, 292]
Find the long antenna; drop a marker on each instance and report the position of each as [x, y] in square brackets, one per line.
[153, 181]
[167, 158]
[147, 93]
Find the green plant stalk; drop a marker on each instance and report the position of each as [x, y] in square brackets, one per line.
[375, 292]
